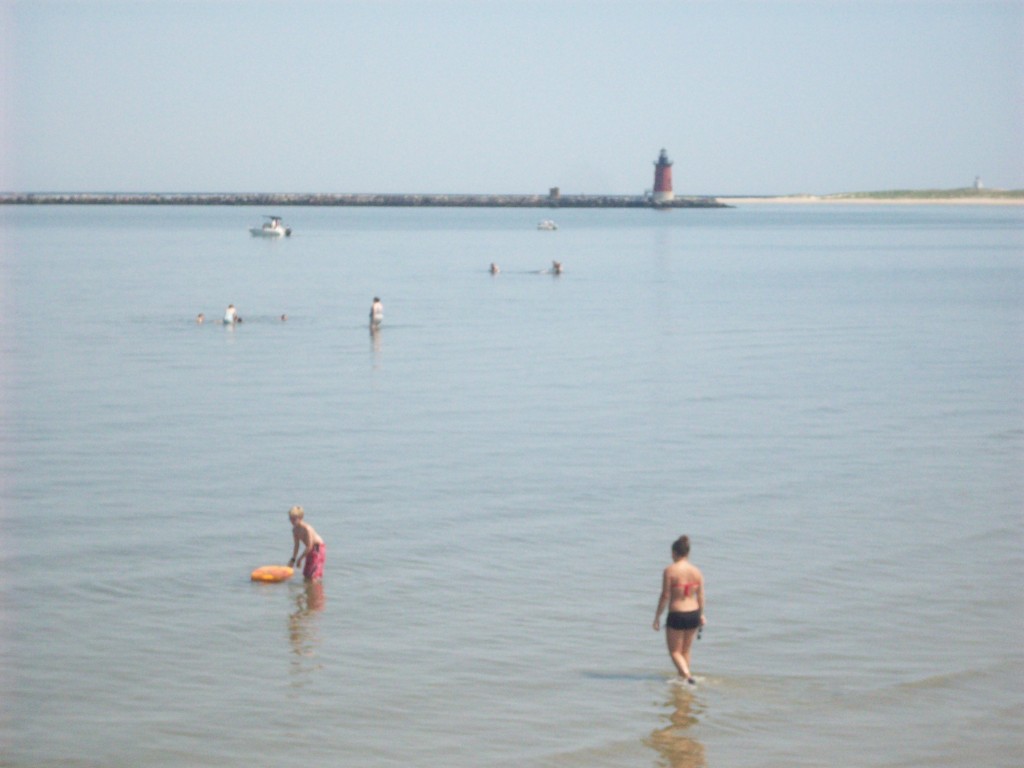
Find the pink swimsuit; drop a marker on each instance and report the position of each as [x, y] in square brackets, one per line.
[313, 568]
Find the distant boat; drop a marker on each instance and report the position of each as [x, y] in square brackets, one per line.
[271, 228]
[547, 224]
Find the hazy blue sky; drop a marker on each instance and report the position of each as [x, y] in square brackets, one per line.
[493, 96]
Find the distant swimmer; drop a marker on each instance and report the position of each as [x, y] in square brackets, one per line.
[284, 318]
[231, 315]
[315, 552]
[494, 268]
[682, 590]
[556, 267]
[200, 318]
[376, 313]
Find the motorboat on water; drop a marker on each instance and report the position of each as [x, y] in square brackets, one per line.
[272, 227]
[547, 224]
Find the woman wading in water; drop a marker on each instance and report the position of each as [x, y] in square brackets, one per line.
[682, 590]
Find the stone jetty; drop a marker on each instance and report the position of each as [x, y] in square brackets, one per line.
[367, 200]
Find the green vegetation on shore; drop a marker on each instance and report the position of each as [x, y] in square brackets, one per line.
[932, 194]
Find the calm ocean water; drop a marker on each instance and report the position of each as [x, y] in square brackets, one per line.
[828, 400]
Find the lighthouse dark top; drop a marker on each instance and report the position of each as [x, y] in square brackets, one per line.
[663, 179]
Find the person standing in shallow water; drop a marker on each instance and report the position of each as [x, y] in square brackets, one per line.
[682, 590]
[315, 552]
[376, 313]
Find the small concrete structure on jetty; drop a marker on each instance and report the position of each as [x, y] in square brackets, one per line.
[554, 199]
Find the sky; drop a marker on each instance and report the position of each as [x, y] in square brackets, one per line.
[755, 97]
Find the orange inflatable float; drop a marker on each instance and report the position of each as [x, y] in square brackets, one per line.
[271, 573]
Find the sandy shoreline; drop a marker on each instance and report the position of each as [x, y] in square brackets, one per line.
[828, 200]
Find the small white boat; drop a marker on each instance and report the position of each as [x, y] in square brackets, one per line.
[271, 228]
[547, 224]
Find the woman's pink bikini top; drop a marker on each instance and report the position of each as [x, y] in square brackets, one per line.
[687, 588]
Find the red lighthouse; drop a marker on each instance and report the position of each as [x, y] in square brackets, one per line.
[663, 179]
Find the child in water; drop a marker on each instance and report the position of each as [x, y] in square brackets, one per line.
[315, 552]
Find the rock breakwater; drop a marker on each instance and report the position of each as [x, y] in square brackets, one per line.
[379, 200]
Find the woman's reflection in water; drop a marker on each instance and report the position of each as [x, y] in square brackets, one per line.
[304, 626]
[375, 344]
[676, 748]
